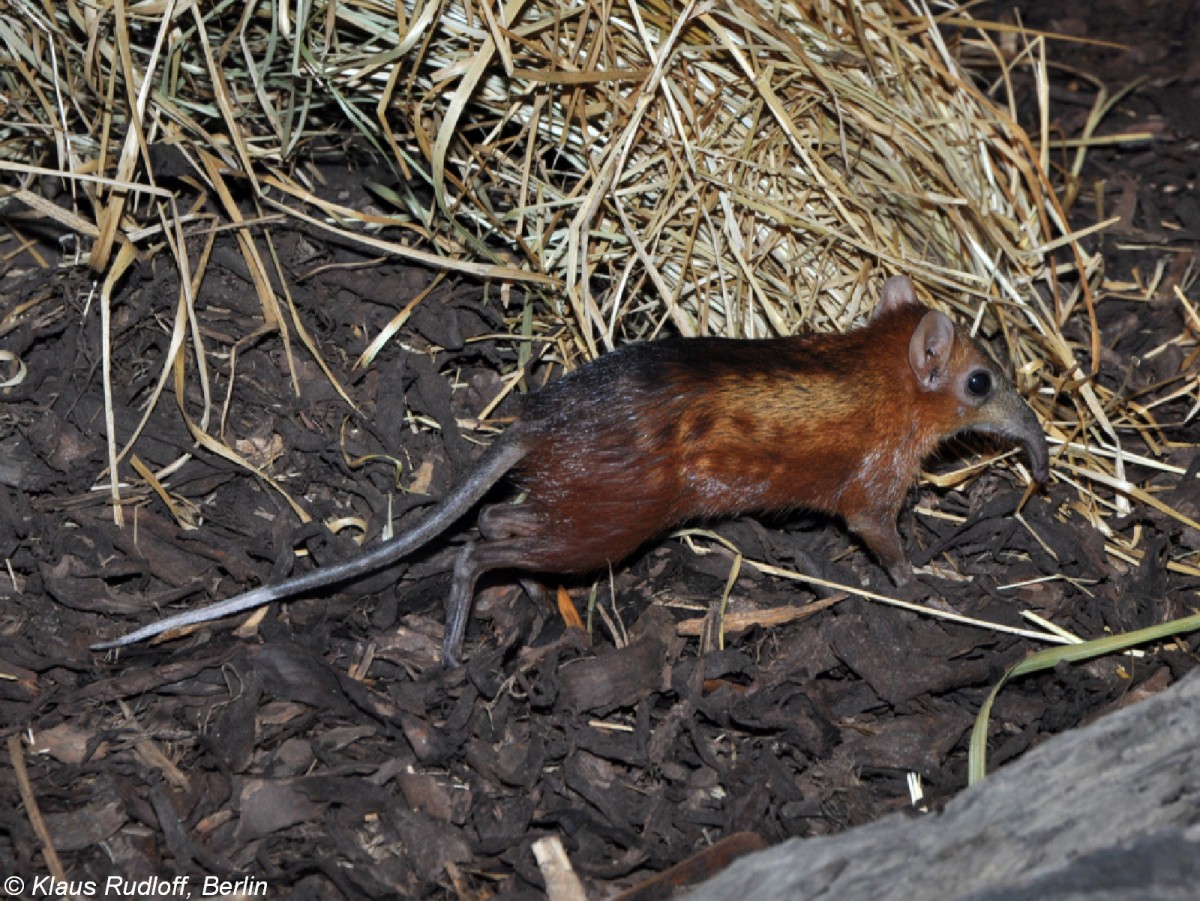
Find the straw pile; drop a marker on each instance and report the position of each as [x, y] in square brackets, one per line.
[734, 167]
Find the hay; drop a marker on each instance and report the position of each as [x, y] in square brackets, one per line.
[737, 168]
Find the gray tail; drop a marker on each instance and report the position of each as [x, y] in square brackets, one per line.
[496, 461]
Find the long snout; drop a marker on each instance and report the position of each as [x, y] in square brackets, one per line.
[1033, 439]
[1013, 419]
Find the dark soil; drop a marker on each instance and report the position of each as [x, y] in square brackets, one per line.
[323, 749]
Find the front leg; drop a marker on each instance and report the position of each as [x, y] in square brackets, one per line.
[879, 533]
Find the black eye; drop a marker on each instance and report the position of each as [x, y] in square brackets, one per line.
[979, 383]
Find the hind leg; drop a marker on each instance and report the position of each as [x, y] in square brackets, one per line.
[473, 561]
[504, 521]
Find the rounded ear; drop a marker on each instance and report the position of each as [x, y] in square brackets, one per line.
[929, 349]
[898, 291]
